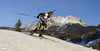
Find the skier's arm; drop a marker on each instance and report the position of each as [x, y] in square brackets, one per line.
[39, 15]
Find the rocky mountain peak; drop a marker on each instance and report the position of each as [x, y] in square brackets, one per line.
[71, 17]
[59, 21]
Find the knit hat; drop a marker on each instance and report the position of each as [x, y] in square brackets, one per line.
[51, 12]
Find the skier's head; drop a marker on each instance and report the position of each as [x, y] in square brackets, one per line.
[51, 13]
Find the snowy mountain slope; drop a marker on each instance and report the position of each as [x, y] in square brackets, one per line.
[16, 41]
[59, 21]
[92, 42]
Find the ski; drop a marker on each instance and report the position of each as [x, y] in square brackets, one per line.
[38, 37]
[42, 38]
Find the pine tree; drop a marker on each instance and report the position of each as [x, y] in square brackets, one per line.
[17, 26]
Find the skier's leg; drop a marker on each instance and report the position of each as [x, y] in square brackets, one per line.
[38, 28]
[43, 30]
[44, 26]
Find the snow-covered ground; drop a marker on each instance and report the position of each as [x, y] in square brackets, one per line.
[16, 41]
[92, 42]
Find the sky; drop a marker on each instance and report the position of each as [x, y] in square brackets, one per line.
[87, 10]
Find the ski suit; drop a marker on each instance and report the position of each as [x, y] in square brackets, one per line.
[42, 22]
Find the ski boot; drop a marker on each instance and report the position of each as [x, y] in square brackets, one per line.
[32, 32]
[40, 35]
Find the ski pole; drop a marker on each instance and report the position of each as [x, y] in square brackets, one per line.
[35, 21]
[27, 15]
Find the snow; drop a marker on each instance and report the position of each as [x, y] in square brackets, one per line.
[69, 41]
[68, 19]
[82, 43]
[16, 41]
[60, 21]
[92, 42]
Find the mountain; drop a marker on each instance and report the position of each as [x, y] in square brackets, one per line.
[90, 39]
[7, 28]
[63, 27]
[60, 23]
[29, 27]
[16, 41]
[94, 42]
